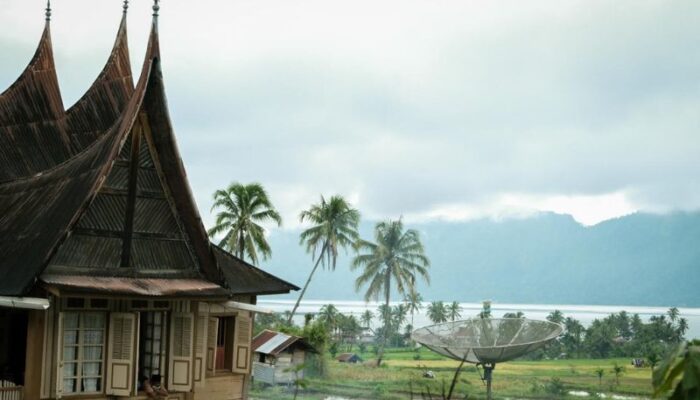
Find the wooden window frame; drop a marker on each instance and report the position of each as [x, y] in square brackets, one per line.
[87, 304]
[164, 345]
[79, 360]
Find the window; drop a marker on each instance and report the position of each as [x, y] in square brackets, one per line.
[81, 303]
[152, 344]
[83, 351]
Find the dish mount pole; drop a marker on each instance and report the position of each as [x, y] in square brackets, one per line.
[488, 376]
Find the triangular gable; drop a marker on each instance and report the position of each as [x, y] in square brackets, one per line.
[131, 228]
[42, 210]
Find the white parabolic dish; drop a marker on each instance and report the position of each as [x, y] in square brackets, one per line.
[487, 340]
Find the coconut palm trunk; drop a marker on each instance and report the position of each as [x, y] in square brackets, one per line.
[308, 280]
[387, 320]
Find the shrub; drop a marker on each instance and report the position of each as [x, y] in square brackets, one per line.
[555, 387]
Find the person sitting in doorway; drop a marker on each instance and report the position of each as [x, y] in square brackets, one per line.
[154, 388]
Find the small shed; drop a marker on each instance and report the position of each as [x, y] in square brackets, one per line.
[276, 353]
[349, 358]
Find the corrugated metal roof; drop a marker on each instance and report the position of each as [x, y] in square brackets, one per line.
[243, 278]
[135, 286]
[272, 343]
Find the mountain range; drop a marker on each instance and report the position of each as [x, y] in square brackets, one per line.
[638, 260]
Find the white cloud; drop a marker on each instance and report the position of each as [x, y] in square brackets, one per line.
[450, 109]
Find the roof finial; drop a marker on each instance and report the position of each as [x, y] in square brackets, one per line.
[156, 7]
[48, 10]
[125, 6]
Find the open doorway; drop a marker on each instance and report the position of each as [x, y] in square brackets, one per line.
[13, 345]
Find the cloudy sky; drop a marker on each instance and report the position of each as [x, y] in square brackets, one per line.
[427, 109]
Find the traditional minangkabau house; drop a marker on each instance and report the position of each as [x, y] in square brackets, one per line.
[106, 271]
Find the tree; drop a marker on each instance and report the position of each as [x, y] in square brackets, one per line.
[653, 360]
[242, 209]
[396, 255]
[328, 314]
[678, 376]
[682, 328]
[453, 311]
[518, 314]
[556, 316]
[398, 314]
[618, 370]
[414, 301]
[485, 309]
[299, 381]
[334, 227]
[367, 318]
[673, 314]
[437, 312]
[573, 336]
[600, 372]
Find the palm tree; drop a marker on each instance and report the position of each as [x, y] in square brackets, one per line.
[397, 255]
[329, 315]
[414, 302]
[398, 315]
[556, 316]
[682, 328]
[600, 372]
[485, 312]
[453, 310]
[618, 370]
[243, 208]
[673, 314]
[366, 318]
[437, 312]
[334, 227]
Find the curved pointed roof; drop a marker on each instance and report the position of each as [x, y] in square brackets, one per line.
[41, 210]
[121, 207]
[31, 136]
[36, 133]
[106, 98]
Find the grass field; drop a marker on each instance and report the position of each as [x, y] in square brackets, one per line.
[512, 380]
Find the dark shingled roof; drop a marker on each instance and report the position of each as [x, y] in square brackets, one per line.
[103, 196]
[32, 137]
[105, 100]
[243, 278]
[36, 133]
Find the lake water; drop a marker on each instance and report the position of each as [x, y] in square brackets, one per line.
[585, 314]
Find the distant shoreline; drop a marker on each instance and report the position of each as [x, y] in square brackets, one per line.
[584, 313]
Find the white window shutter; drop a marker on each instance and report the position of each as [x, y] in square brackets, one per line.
[181, 352]
[121, 354]
[200, 351]
[241, 344]
[212, 331]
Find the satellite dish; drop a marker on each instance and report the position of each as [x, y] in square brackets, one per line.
[487, 341]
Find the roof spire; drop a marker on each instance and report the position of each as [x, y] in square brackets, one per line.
[125, 6]
[48, 10]
[156, 7]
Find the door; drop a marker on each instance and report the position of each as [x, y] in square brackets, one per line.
[220, 360]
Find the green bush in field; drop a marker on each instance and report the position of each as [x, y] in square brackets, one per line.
[555, 387]
[380, 391]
